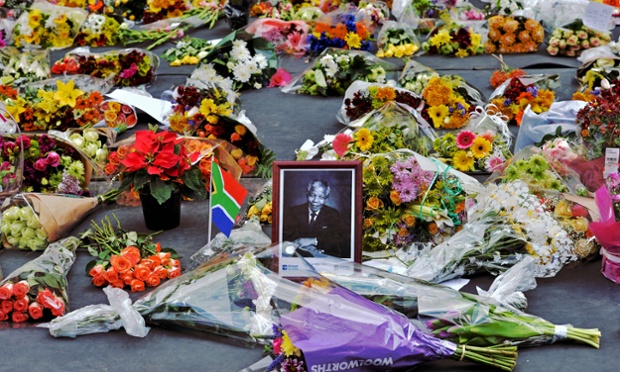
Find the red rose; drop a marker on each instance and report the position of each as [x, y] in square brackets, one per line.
[35, 310]
[18, 317]
[21, 304]
[6, 291]
[21, 288]
[44, 297]
[6, 306]
[4, 316]
[57, 305]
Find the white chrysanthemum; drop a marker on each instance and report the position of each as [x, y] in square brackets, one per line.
[239, 51]
[343, 59]
[261, 61]
[241, 72]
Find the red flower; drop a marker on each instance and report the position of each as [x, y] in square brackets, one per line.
[341, 143]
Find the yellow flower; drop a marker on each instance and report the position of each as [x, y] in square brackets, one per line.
[437, 92]
[353, 40]
[399, 51]
[207, 107]
[462, 53]
[440, 38]
[410, 49]
[15, 111]
[481, 147]
[463, 161]
[438, 114]
[363, 139]
[579, 224]
[66, 93]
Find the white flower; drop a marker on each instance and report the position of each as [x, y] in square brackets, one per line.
[261, 61]
[308, 149]
[242, 73]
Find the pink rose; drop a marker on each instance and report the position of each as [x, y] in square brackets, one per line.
[40, 165]
[53, 159]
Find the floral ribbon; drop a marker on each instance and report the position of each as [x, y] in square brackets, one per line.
[493, 113]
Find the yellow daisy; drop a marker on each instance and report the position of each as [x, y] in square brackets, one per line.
[363, 139]
[481, 147]
[438, 114]
[353, 40]
[463, 161]
[440, 38]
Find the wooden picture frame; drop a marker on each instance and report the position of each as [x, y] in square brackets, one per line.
[337, 230]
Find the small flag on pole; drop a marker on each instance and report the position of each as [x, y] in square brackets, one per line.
[227, 195]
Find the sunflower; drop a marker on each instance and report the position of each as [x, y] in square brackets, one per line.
[463, 161]
[363, 139]
[481, 147]
[438, 114]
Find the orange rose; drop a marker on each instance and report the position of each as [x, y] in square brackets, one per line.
[395, 197]
[127, 277]
[97, 270]
[408, 219]
[161, 272]
[235, 137]
[110, 275]
[236, 153]
[21, 288]
[175, 263]
[137, 285]
[121, 264]
[141, 272]
[368, 222]
[240, 129]
[174, 272]
[118, 284]
[132, 253]
[6, 291]
[153, 280]
[433, 228]
[99, 281]
[155, 260]
[164, 257]
[374, 203]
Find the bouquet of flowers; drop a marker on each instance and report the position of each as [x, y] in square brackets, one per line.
[506, 223]
[118, 116]
[48, 26]
[498, 77]
[260, 206]
[32, 220]
[22, 67]
[480, 320]
[132, 10]
[50, 164]
[449, 99]
[188, 51]
[159, 32]
[396, 40]
[376, 10]
[422, 14]
[38, 289]
[469, 151]
[601, 64]
[98, 30]
[157, 10]
[415, 76]
[158, 164]
[286, 11]
[516, 94]
[7, 22]
[126, 67]
[361, 98]
[513, 34]
[597, 123]
[572, 39]
[239, 298]
[56, 103]
[335, 70]
[289, 37]
[93, 142]
[249, 62]
[127, 258]
[340, 29]
[461, 39]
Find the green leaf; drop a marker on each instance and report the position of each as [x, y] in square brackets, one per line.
[161, 190]
[193, 180]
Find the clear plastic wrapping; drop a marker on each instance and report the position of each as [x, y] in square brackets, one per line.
[23, 67]
[397, 40]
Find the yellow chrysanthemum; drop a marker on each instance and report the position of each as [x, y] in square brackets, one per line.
[353, 40]
[364, 139]
[438, 114]
[463, 161]
[287, 346]
[437, 92]
[440, 38]
[385, 94]
[481, 147]
[462, 53]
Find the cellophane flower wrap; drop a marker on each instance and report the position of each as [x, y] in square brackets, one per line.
[132, 10]
[513, 96]
[453, 315]
[449, 100]
[335, 70]
[572, 39]
[98, 30]
[415, 76]
[48, 26]
[606, 229]
[7, 22]
[58, 103]
[513, 34]
[396, 40]
[249, 61]
[424, 15]
[188, 51]
[23, 67]
[342, 29]
[597, 64]
[38, 289]
[126, 67]
[237, 297]
[362, 97]
[506, 223]
[456, 38]
[289, 37]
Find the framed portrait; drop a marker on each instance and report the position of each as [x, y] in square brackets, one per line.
[317, 206]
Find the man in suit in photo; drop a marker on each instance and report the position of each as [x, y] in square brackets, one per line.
[314, 227]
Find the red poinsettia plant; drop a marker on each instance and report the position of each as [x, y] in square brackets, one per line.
[158, 164]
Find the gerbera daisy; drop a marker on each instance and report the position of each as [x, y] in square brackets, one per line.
[481, 147]
[341, 143]
[494, 162]
[363, 139]
[438, 115]
[463, 161]
[465, 139]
